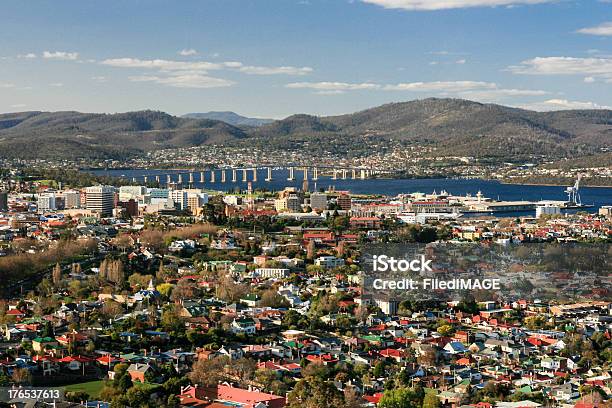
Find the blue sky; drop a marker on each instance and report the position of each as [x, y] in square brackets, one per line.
[273, 58]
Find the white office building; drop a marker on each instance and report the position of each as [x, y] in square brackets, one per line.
[46, 202]
[278, 273]
[547, 209]
[101, 199]
[329, 262]
[178, 199]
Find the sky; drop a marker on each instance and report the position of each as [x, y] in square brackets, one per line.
[274, 58]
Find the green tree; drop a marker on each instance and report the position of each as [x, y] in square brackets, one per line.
[399, 398]
[431, 400]
[314, 392]
[165, 289]
[379, 369]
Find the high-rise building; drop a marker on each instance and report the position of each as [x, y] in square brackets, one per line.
[3, 201]
[157, 196]
[130, 207]
[318, 201]
[178, 199]
[46, 202]
[344, 201]
[101, 199]
[291, 203]
[195, 200]
[72, 199]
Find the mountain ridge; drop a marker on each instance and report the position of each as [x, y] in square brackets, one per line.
[452, 126]
[229, 117]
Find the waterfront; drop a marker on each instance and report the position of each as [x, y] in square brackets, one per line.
[595, 196]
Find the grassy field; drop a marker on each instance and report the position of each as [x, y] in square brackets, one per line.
[92, 388]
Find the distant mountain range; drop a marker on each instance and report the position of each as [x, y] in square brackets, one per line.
[72, 135]
[230, 117]
[453, 126]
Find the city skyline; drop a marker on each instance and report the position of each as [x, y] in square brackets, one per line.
[275, 58]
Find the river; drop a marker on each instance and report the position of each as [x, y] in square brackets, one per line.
[596, 196]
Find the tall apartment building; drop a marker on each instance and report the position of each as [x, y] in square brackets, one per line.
[344, 201]
[179, 199]
[291, 203]
[195, 200]
[46, 202]
[72, 199]
[101, 199]
[318, 201]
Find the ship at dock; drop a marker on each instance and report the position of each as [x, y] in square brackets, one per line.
[444, 205]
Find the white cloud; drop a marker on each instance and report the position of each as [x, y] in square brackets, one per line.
[589, 80]
[593, 67]
[562, 104]
[602, 29]
[448, 4]
[6, 85]
[195, 81]
[161, 64]
[19, 105]
[441, 86]
[252, 70]
[484, 91]
[29, 55]
[61, 55]
[495, 95]
[187, 52]
[201, 67]
[332, 87]
[461, 61]
[194, 74]
[99, 78]
[56, 84]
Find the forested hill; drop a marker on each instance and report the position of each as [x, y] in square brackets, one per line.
[230, 117]
[74, 134]
[460, 126]
[454, 126]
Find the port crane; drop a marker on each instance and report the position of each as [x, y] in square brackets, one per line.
[573, 192]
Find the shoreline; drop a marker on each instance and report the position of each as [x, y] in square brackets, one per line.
[379, 178]
[550, 184]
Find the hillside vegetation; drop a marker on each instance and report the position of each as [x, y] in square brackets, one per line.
[454, 126]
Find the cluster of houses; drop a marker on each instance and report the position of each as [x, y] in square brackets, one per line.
[302, 303]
